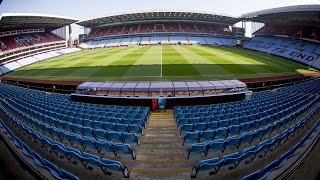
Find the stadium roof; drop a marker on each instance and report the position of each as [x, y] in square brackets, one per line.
[134, 17]
[15, 21]
[308, 15]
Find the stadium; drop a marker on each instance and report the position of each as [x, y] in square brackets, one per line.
[161, 95]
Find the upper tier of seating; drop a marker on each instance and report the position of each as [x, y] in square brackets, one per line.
[21, 41]
[306, 32]
[294, 49]
[160, 27]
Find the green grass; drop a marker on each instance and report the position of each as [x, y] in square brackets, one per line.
[145, 63]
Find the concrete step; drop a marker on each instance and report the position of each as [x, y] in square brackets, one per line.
[178, 176]
[160, 139]
[176, 161]
[155, 149]
[157, 157]
[161, 156]
[161, 135]
[165, 141]
[160, 131]
[161, 126]
[161, 170]
[162, 165]
[162, 146]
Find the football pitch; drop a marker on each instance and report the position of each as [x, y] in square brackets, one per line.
[157, 63]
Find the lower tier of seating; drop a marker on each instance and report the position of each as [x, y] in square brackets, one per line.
[43, 164]
[163, 40]
[21, 62]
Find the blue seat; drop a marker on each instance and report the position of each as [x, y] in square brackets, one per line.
[216, 118]
[114, 136]
[108, 126]
[233, 141]
[89, 159]
[267, 169]
[135, 128]
[194, 120]
[254, 175]
[200, 126]
[191, 137]
[76, 129]
[248, 153]
[104, 146]
[221, 133]
[255, 124]
[213, 125]
[122, 127]
[130, 138]
[245, 127]
[97, 125]
[207, 164]
[231, 160]
[72, 154]
[86, 122]
[246, 138]
[206, 119]
[124, 149]
[206, 135]
[26, 150]
[224, 123]
[233, 130]
[107, 164]
[87, 142]
[197, 149]
[258, 134]
[74, 139]
[100, 134]
[58, 148]
[263, 148]
[215, 145]
[38, 159]
[66, 175]
[87, 131]
[234, 121]
[186, 128]
[57, 173]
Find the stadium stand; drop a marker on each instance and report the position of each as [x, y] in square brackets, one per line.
[294, 49]
[13, 65]
[257, 137]
[31, 42]
[56, 172]
[98, 128]
[18, 42]
[236, 132]
[248, 133]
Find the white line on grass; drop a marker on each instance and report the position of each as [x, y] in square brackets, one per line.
[161, 61]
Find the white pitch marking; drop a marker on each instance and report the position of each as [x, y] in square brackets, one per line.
[161, 61]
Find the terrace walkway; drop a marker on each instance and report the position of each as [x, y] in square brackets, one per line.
[161, 154]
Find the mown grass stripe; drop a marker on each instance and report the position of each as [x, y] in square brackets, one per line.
[200, 63]
[224, 62]
[174, 64]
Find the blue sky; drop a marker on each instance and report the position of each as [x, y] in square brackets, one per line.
[85, 9]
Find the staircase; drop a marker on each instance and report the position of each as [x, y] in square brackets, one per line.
[161, 154]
